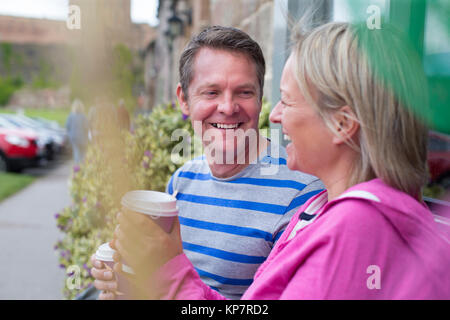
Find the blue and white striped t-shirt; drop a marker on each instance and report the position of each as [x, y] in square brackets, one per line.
[229, 226]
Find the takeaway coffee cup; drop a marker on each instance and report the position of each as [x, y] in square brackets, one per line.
[105, 254]
[159, 206]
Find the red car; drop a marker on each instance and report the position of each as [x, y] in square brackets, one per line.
[18, 149]
[439, 158]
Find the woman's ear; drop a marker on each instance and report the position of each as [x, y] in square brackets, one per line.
[346, 125]
[182, 100]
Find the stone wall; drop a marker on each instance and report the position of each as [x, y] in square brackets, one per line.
[40, 99]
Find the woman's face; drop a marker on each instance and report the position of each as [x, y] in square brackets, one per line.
[311, 145]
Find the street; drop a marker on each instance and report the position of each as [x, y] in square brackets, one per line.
[28, 232]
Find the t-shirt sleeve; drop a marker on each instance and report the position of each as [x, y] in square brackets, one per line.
[300, 198]
[172, 184]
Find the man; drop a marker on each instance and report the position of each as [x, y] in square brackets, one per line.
[232, 206]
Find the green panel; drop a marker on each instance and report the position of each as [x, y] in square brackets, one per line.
[412, 17]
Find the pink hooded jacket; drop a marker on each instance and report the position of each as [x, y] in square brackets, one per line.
[373, 242]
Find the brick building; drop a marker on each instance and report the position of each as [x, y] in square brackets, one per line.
[43, 43]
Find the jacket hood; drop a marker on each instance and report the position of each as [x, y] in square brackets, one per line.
[409, 216]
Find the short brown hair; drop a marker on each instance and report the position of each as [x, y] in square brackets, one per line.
[223, 38]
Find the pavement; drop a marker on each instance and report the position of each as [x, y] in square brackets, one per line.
[28, 264]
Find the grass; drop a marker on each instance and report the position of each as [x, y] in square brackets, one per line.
[11, 183]
[58, 115]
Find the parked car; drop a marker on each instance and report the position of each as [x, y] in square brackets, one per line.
[51, 128]
[439, 158]
[18, 148]
[45, 141]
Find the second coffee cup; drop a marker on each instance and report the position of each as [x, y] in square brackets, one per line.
[105, 254]
[160, 207]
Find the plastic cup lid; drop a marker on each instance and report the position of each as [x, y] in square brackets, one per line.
[105, 253]
[150, 202]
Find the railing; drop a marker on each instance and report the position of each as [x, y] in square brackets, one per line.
[441, 213]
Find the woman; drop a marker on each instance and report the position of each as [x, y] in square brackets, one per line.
[348, 103]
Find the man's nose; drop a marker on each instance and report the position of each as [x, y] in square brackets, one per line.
[276, 113]
[228, 106]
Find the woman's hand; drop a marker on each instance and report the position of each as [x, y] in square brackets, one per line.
[144, 246]
[104, 280]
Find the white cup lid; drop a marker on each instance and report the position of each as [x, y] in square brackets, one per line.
[105, 253]
[150, 202]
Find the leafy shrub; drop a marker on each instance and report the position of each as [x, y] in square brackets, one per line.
[138, 160]
[7, 87]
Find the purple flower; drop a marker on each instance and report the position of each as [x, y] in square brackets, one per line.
[63, 254]
[145, 165]
[86, 267]
[76, 168]
[56, 215]
[185, 117]
[62, 266]
[148, 154]
[84, 199]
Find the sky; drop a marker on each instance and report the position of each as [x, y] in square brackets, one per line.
[142, 11]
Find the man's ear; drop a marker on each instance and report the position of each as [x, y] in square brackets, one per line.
[346, 124]
[182, 100]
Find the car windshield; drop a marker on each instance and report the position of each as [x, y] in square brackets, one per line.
[20, 122]
[4, 123]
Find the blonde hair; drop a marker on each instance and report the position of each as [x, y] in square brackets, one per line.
[381, 80]
[77, 106]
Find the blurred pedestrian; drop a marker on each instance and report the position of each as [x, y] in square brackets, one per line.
[77, 131]
[123, 117]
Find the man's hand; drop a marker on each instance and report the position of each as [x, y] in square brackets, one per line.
[104, 279]
[144, 246]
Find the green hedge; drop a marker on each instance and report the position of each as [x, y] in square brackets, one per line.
[139, 160]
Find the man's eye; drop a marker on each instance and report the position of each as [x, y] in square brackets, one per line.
[246, 94]
[210, 93]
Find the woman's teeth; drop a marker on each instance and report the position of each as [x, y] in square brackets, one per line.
[225, 126]
[286, 137]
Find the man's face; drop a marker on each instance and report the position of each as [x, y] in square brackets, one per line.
[224, 97]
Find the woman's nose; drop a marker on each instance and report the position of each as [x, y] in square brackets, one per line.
[275, 114]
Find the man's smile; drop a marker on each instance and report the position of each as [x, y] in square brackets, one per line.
[226, 125]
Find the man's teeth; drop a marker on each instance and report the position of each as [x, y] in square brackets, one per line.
[287, 138]
[225, 126]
